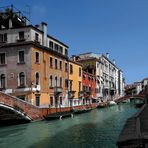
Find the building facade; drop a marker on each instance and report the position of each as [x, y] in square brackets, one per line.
[75, 83]
[89, 88]
[109, 84]
[33, 65]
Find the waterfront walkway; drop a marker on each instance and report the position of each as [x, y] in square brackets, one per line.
[135, 131]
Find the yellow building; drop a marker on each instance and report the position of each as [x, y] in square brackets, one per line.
[75, 83]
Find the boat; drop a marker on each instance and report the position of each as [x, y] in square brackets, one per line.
[59, 115]
[80, 111]
[111, 103]
[102, 105]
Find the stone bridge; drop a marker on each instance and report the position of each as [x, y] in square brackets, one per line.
[22, 109]
[142, 97]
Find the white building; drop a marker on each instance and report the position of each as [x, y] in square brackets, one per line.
[109, 82]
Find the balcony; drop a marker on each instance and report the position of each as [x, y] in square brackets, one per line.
[71, 94]
[88, 93]
[57, 90]
[81, 94]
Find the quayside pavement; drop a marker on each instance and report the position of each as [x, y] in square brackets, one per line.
[135, 131]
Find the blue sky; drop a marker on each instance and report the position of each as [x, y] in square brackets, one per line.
[119, 27]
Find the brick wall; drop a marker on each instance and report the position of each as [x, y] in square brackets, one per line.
[32, 111]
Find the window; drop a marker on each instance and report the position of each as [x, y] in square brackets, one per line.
[37, 100]
[3, 81]
[56, 47]
[36, 37]
[60, 65]
[66, 83]
[51, 101]
[84, 88]
[66, 67]
[21, 35]
[70, 85]
[37, 78]
[71, 69]
[3, 38]
[56, 81]
[60, 49]
[89, 78]
[21, 56]
[84, 77]
[37, 57]
[79, 72]
[22, 79]
[50, 83]
[51, 44]
[2, 58]
[66, 52]
[56, 64]
[60, 81]
[51, 64]
[79, 86]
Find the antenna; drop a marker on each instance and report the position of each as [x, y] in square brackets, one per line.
[27, 11]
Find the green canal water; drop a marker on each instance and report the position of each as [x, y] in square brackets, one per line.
[99, 128]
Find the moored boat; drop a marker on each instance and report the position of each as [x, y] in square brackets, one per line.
[80, 111]
[111, 103]
[59, 115]
[102, 105]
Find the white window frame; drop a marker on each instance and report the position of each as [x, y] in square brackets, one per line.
[18, 55]
[19, 78]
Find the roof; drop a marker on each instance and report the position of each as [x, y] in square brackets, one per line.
[77, 63]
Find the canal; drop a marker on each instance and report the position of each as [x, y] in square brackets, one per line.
[99, 128]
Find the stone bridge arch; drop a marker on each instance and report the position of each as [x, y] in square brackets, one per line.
[20, 107]
[141, 97]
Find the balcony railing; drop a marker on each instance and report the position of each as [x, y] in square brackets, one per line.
[71, 94]
[57, 90]
[81, 94]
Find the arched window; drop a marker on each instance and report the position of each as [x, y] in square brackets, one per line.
[37, 78]
[2, 81]
[22, 79]
[56, 81]
[50, 81]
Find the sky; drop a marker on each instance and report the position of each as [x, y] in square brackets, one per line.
[119, 27]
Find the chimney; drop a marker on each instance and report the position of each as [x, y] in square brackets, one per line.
[73, 58]
[44, 37]
[10, 23]
[37, 26]
[107, 55]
